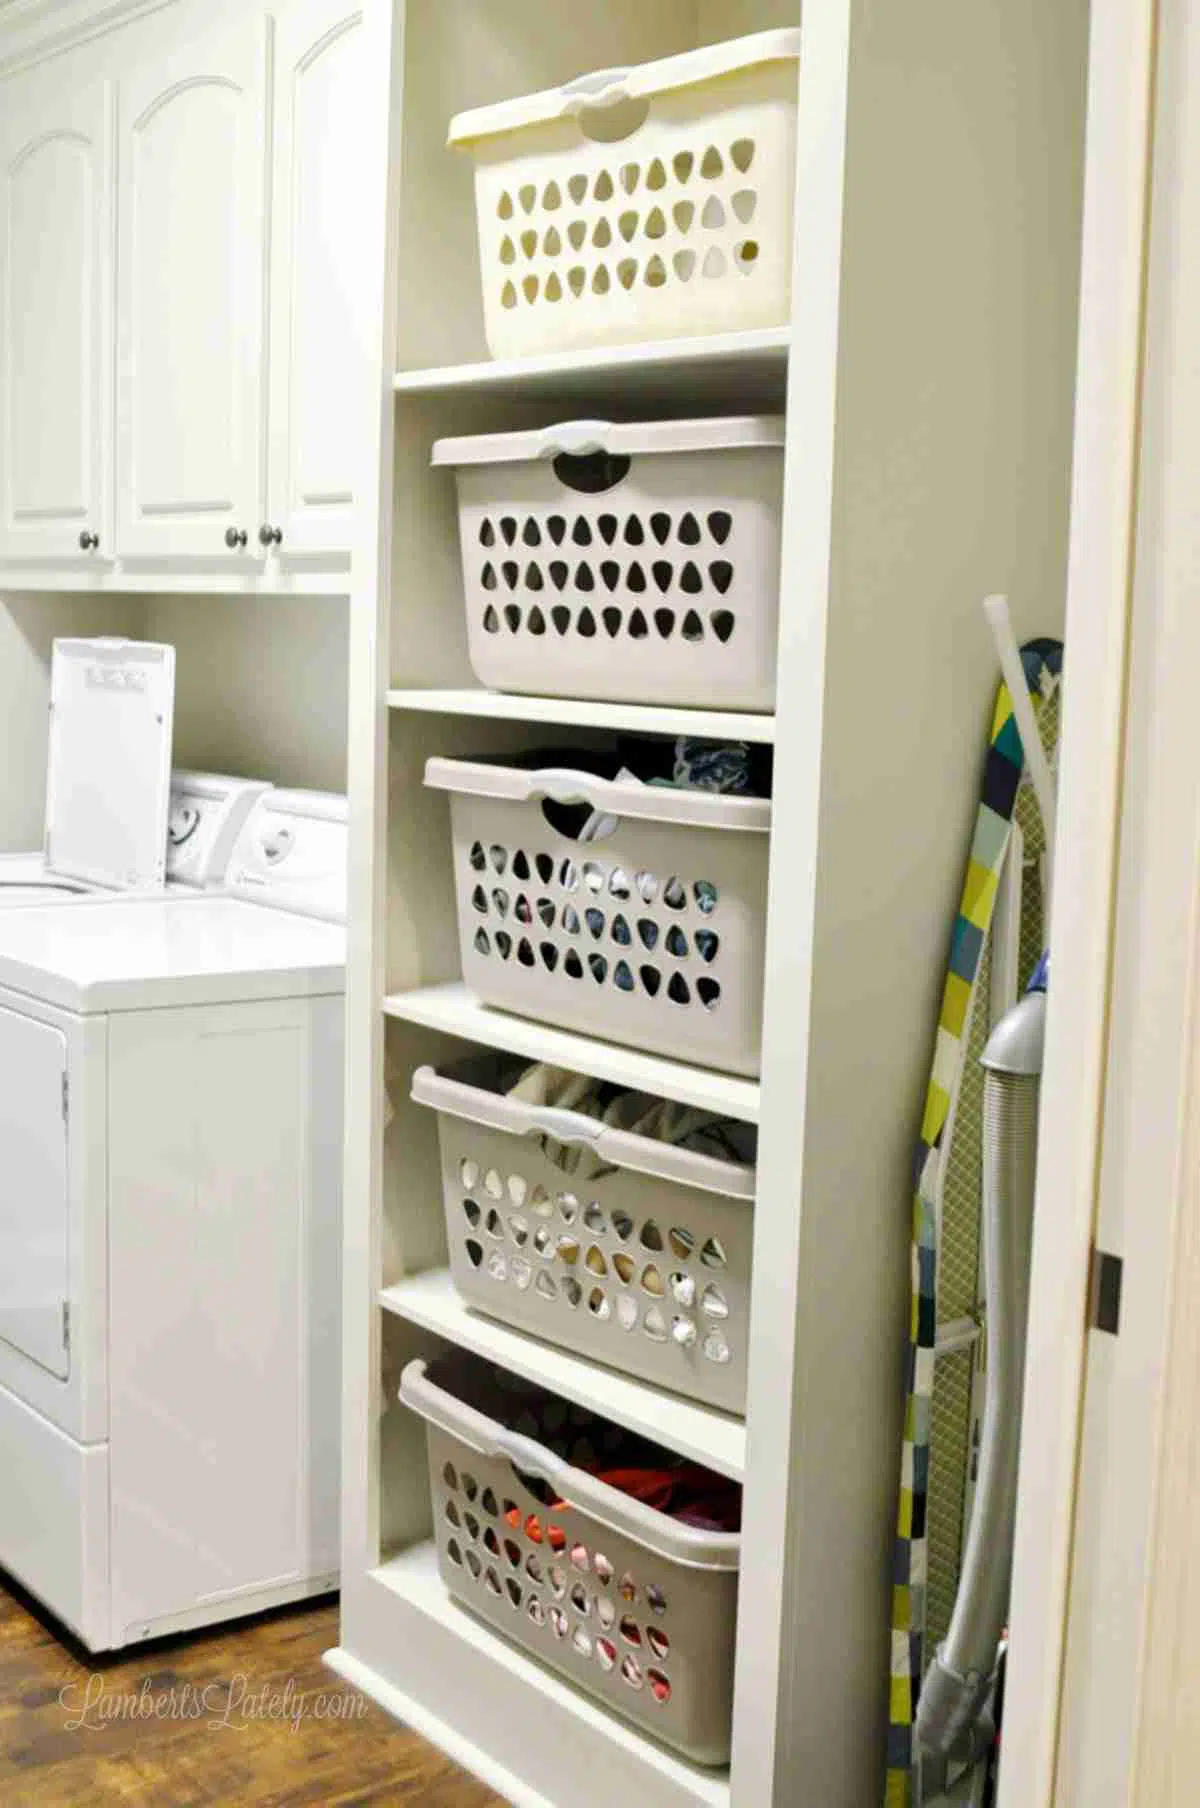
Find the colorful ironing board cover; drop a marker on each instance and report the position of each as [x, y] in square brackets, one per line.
[946, 1206]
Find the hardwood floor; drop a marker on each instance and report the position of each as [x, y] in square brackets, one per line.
[77, 1730]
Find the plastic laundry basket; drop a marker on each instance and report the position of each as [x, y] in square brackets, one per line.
[632, 1605]
[639, 203]
[640, 1258]
[638, 563]
[652, 935]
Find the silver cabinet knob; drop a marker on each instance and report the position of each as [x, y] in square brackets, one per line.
[270, 536]
[235, 538]
[88, 542]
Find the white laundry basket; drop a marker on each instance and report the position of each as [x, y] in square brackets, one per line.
[635, 1607]
[639, 203]
[634, 562]
[651, 935]
[629, 1250]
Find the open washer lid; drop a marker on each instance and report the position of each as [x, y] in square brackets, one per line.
[108, 772]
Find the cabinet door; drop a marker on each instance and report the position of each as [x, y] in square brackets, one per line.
[190, 331]
[56, 246]
[318, 330]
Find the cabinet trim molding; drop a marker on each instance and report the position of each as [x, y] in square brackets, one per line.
[31, 31]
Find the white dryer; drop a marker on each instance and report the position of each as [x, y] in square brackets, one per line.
[170, 1180]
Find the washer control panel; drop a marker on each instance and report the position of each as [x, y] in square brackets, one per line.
[292, 854]
[207, 815]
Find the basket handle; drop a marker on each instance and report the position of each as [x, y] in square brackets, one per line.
[623, 1148]
[612, 797]
[574, 1487]
[574, 439]
[598, 88]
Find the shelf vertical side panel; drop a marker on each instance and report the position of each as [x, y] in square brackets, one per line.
[931, 469]
[369, 675]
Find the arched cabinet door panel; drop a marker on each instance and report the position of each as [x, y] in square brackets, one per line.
[56, 225]
[192, 149]
[318, 330]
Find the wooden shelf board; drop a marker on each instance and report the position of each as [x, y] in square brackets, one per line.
[632, 718]
[413, 1576]
[745, 368]
[715, 1439]
[455, 1010]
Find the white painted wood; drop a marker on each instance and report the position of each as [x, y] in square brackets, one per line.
[1101, 552]
[57, 224]
[928, 368]
[632, 718]
[1146, 1189]
[455, 1010]
[34, 1203]
[318, 318]
[192, 138]
[181, 578]
[727, 367]
[714, 1438]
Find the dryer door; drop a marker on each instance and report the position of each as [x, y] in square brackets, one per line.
[33, 1190]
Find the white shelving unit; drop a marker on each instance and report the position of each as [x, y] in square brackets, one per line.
[926, 373]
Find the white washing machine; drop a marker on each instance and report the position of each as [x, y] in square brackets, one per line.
[170, 1180]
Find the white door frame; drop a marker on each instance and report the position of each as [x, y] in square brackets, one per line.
[1120, 111]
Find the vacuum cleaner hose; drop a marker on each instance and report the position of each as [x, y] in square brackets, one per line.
[952, 1717]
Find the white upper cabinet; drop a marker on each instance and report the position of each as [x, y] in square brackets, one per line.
[192, 155]
[56, 238]
[318, 331]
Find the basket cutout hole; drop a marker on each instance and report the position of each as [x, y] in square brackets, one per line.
[577, 188]
[656, 273]
[745, 256]
[627, 225]
[715, 1347]
[497, 1265]
[599, 1304]
[741, 154]
[655, 1325]
[652, 1281]
[560, 1625]
[520, 865]
[474, 1252]
[625, 1268]
[453, 1552]
[623, 1224]
[713, 1254]
[677, 942]
[656, 224]
[521, 1272]
[603, 1571]
[631, 1632]
[713, 214]
[627, 271]
[660, 1687]
[675, 893]
[627, 1312]
[683, 1289]
[713, 1302]
[606, 1654]
[475, 1564]
[527, 195]
[594, 1260]
[504, 208]
[503, 943]
[712, 164]
[708, 991]
[490, 1541]
[600, 280]
[450, 1476]
[602, 237]
[632, 1672]
[682, 1242]
[603, 189]
[452, 1513]
[656, 1600]
[514, 1590]
[744, 203]
[508, 296]
[651, 980]
[529, 239]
